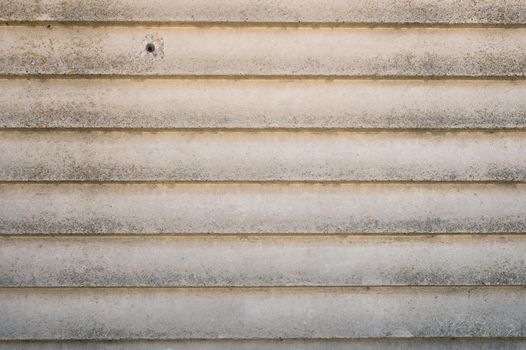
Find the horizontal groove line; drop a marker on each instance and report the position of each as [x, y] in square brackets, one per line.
[264, 130]
[86, 76]
[262, 182]
[258, 24]
[256, 78]
[334, 289]
[25, 340]
[280, 340]
[255, 235]
[275, 287]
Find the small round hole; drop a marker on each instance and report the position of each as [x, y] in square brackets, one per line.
[150, 47]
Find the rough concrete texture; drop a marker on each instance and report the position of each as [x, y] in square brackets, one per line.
[252, 104]
[292, 262]
[273, 11]
[216, 51]
[326, 344]
[201, 313]
[261, 261]
[261, 208]
[262, 156]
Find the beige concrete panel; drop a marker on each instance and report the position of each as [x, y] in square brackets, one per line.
[262, 261]
[261, 313]
[262, 156]
[187, 103]
[274, 11]
[239, 51]
[261, 208]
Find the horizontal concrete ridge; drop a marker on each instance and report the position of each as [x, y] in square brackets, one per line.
[261, 208]
[216, 51]
[290, 11]
[327, 344]
[262, 156]
[261, 261]
[124, 103]
[261, 313]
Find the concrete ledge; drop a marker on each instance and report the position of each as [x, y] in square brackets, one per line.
[262, 104]
[263, 52]
[198, 313]
[261, 261]
[261, 208]
[274, 11]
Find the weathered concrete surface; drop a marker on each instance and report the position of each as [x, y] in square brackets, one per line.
[262, 156]
[262, 208]
[187, 103]
[283, 344]
[312, 64]
[199, 313]
[236, 51]
[290, 11]
[261, 261]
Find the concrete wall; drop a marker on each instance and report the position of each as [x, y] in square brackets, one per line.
[209, 174]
